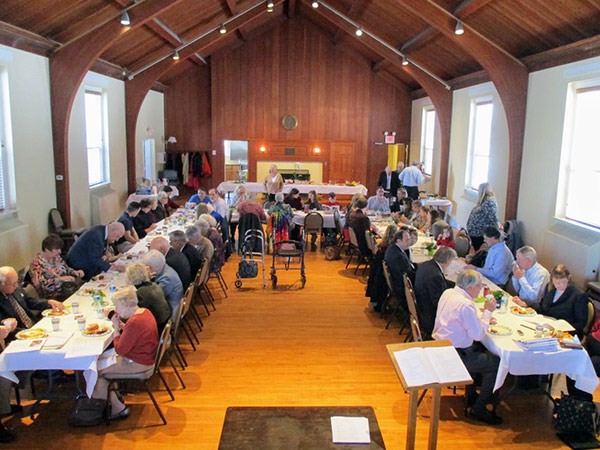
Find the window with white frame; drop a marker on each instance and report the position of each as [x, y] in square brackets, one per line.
[7, 192]
[581, 154]
[427, 138]
[480, 134]
[96, 136]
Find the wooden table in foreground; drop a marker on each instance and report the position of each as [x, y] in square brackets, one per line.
[436, 389]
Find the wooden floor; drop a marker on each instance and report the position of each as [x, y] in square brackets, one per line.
[318, 346]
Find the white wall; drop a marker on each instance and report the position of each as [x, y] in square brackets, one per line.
[150, 125]
[29, 96]
[415, 143]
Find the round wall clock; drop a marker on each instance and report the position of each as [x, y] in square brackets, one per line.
[289, 122]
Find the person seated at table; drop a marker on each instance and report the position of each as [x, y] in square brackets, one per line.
[89, 252]
[529, 278]
[218, 259]
[170, 206]
[50, 275]
[445, 237]
[202, 244]
[430, 284]
[206, 208]
[286, 210]
[180, 243]
[165, 276]
[379, 202]
[410, 212]
[273, 182]
[352, 205]
[252, 206]
[198, 198]
[331, 201]
[135, 341]
[499, 259]
[15, 303]
[130, 237]
[174, 259]
[388, 180]
[239, 195]
[144, 187]
[156, 209]
[388, 237]
[420, 222]
[359, 222]
[293, 199]
[591, 342]
[313, 201]
[399, 263]
[161, 208]
[414, 237]
[400, 201]
[143, 221]
[219, 205]
[149, 294]
[431, 218]
[457, 319]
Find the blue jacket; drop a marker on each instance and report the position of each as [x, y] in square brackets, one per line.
[87, 252]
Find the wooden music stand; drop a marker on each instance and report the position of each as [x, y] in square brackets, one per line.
[436, 389]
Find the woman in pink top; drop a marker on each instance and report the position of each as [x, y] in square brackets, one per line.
[135, 343]
[252, 206]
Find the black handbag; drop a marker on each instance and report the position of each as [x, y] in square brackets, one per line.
[574, 415]
[88, 412]
[248, 269]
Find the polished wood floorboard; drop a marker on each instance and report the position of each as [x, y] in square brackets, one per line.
[318, 346]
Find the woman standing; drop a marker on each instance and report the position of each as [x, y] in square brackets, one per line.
[483, 215]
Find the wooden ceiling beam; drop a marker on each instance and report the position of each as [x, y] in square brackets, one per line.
[68, 66]
[291, 8]
[351, 14]
[509, 75]
[462, 11]
[440, 96]
[233, 10]
[137, 88]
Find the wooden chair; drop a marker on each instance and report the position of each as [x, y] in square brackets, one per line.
[202, 285]
[392, 294]
[411, 302]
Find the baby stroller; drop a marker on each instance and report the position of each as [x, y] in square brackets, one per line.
[253, 253]
[284, 248]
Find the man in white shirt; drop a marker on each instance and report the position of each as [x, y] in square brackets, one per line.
[378, 202]
[529, 278]
[458, 320]
[219, 205]
[411, 178]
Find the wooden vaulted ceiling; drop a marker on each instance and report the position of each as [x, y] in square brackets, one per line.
[522, 28]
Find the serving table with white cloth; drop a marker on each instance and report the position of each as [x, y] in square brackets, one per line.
[303, 188]
[137, 197]
[440, 203]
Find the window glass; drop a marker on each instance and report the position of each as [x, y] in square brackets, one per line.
[480, 135]
[95, 131]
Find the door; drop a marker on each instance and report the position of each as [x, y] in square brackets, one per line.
[341, 162]
[149, 159]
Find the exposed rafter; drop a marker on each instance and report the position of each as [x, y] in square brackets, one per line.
[351, 14]
[291, 8]
[233, 10]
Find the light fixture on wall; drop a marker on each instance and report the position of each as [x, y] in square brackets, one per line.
[459, 28]
[359, 31]
[263, 149]
[404, 61]
[175, 58]
[125, 21]
[170, 140]
[315, 4]
[222, 30]
[317, 150]
[270, 6]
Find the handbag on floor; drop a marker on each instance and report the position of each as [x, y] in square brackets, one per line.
[574, 415]
[248, 269]
[88, 412]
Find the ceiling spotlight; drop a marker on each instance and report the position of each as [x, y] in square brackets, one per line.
[359, 31]
[223, 30]
[404, 61]
[125, 18]
[315, 4]
[270, 4]
[269, 10]
[175, 55]
[459, 28]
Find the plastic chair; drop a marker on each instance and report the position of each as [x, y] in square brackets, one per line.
[144, 377]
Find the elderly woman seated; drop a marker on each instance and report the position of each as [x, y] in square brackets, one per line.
[149, 294]
[204, 246]
[162, 208]
[207, 209]
[50, 275]
[135, 343]
[214, 236]
[251, 206]
[166, 277]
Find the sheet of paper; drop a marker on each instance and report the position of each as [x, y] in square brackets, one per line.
[350, 430]
[447, 364]
[57, 340]
[82, 346]
[415, 367]
[24, 345]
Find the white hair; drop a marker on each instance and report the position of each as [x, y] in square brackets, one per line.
[468, 278]
[208, 218]
[528, 252]
[161, 195]
[4, 272]
[279, 197]
[126, 297]
[137, 273]
[155, 260]
[203, 225]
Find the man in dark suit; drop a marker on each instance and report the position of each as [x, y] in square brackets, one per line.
[359, 222]
[179, 242]
[175, 259]
[398, 262]
[430, 284]
[389, 181]
[88, 253]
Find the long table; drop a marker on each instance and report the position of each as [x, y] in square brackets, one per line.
[254, 187]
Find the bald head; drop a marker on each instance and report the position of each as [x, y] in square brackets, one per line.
[9, 280]
[116, 230]
[160, 244]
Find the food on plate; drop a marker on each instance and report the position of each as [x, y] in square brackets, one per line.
[521, 311]
[563, 335]
[32, 333]
[499, 330]
[95, 329]
[93, 292]
[53, 313]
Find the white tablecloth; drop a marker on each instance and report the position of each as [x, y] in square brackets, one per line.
[443, 204]
[230, 186]
[137, 197]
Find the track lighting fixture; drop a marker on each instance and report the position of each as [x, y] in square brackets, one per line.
[176, 55]
[125, 21]
[315, 4]
[223, 30]
[359, 31]
[404, 61]
[459, 28]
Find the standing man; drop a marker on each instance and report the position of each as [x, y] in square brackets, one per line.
[273, 183]
[411, 178]
[458, 320]
[388, 180]
[529, 278]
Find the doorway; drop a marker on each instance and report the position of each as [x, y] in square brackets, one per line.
[236, 160]
[149, 159]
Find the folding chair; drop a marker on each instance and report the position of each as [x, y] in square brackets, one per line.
[313, 223]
